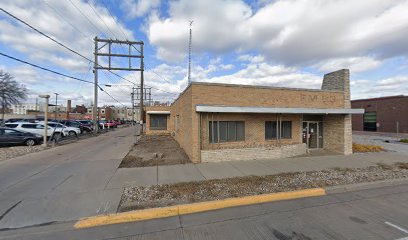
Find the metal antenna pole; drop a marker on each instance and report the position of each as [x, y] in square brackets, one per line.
[189, 54]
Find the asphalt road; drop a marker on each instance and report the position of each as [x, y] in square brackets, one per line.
[377, 213]
[63, 183]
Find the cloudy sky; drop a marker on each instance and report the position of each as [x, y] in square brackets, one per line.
[289, 43]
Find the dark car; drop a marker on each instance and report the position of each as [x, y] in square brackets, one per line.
[10, 136]
[86, 123]
[73, 123]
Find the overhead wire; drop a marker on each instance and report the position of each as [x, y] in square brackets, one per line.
[58, 73]
[72, 50]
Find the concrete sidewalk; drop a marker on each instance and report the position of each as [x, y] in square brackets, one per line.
[146, 176]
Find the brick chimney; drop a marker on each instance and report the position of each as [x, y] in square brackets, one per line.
[340, 81]
[68, 108]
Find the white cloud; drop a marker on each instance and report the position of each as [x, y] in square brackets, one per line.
[355, 64]
[364, 88]
[138, 8]
[293, 32]
[56, 19]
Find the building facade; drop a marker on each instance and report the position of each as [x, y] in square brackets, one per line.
[384, 114]
[224, 122]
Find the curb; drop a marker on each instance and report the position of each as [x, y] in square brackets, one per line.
[163, 212]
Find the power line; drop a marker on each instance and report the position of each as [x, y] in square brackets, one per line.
[70, 49]
[58, 73]
[45, 69]
[96, 13]
[79, 10]
[59, 43]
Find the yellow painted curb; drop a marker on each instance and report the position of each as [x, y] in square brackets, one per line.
[153, 213]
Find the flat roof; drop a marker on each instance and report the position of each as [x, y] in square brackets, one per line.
[158, 112]
[379, 98]
[235, 109]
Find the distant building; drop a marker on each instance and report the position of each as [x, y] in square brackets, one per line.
[383, 114]
[21, 109]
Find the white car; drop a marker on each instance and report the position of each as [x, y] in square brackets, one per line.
[36, 128]
[66, 131]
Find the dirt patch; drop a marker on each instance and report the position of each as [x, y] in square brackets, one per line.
[171, 194]
[152, 150]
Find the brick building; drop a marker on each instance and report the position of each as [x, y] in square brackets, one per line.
[216, 122]
[384, 114]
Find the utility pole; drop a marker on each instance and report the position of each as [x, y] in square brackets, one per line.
[109, 43]
[133, 105]
[141, 87]
[189, 53]
[95, 106]
[47, 97]
[56, 104]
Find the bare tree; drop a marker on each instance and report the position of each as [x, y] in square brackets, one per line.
[11, 92]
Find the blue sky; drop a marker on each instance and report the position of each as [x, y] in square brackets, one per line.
[289, 43]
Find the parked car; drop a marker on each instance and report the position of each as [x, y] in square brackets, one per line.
[10, 136]
[36, 128]
[66, 131]
[111, 124]
[76, 124]
[87, 123]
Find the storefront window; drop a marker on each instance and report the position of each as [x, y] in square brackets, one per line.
[158, 122]
[285, 131]
[226, 131]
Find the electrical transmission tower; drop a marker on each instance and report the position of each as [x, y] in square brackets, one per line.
[147, 92]
[105, 48]
[189, 53]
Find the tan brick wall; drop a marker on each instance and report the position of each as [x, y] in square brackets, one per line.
[265, 97]
[337, 134]
[184, 108]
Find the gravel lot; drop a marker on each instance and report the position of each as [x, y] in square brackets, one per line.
[11, 152]
[172, 194]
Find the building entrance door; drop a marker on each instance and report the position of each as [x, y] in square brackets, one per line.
[313, 134]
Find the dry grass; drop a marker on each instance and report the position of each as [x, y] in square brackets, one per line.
[402, 165]
[362, 148]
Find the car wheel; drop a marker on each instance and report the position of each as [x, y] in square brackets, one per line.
[29, 142]
[56, 136]
[72, 134]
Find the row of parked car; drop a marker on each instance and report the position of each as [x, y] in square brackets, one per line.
[30, 132]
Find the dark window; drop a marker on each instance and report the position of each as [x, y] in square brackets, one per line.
[9, 132]
[226, 131]
[11, 125]
[270, 130]
[370, 121]
[158, 122]
[285, 130]
[29, 126]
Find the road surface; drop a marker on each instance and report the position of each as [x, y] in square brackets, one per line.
[377, 213]
[63, 183]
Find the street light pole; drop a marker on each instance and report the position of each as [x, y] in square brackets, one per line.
[47, 97]
[56, 104]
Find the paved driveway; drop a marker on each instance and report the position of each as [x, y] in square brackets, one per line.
[380, 139]
[64, 183]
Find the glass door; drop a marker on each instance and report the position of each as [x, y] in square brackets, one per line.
[312, 134]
